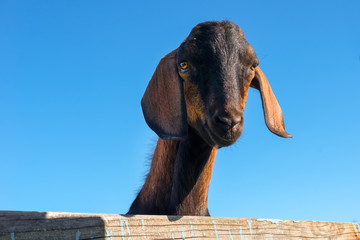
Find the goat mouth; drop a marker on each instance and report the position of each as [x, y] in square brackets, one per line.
[223, 141]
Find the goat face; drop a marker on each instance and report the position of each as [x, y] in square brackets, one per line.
[217, 66]
[204, 83]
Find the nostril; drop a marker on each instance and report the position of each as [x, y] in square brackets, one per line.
[229, 122]
[224, 120]
[236, 120]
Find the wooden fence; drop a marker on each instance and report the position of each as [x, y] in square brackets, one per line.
[76, 226]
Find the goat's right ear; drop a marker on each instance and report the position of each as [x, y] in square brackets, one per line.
[163, 103]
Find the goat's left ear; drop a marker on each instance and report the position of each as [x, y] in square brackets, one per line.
[163, 103]
[272, 112]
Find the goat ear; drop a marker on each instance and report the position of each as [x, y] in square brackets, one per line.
[272, 112]
[163, 103]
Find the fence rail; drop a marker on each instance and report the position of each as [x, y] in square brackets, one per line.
[76, 226]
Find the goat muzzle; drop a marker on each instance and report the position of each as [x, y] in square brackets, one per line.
[224, 128]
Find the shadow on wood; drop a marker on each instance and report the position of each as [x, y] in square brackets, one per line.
[47, 225]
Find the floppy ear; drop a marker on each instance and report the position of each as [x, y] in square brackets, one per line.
[272, 112]
[163, 103]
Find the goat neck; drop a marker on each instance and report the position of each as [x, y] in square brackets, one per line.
[193, 168]
[154, 196]
[179, 178]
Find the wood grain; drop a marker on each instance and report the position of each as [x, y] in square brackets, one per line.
[76, 226]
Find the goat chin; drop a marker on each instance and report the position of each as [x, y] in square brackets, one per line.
[225, 139]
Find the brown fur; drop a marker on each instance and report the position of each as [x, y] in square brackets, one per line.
[195, 110]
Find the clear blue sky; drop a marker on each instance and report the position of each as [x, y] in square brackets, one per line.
[72, 134]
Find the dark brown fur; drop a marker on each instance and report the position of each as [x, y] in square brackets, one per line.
[195, 110]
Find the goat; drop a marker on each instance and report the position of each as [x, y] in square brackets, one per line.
[195, 103]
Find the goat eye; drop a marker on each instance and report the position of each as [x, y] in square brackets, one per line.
[184, 65]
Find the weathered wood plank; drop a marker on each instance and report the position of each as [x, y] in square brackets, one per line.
[76, 226]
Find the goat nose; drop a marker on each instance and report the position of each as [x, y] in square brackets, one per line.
[228, 121]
